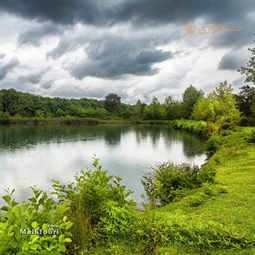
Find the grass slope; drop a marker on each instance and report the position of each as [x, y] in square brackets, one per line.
[232, 202]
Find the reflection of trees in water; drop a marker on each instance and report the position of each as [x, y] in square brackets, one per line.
[192, 145]
[15, 137]
[112, 135]
[147, 132]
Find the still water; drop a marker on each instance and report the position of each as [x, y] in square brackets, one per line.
[35, 155]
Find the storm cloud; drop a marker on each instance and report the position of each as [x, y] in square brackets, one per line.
[34, 35]
[115, 57]
[6, 67]
[117, 11]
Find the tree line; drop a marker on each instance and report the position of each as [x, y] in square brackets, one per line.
[220, 105]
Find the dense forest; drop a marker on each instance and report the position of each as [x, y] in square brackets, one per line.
[194, 105]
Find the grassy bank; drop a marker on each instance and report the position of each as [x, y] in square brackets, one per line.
[225, 209]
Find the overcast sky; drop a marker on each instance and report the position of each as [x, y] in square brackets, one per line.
[135, 48]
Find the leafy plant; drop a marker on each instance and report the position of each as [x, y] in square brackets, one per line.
[89, 198]
[169, 181]
[36, 226]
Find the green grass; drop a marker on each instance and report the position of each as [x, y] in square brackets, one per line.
[233, 203]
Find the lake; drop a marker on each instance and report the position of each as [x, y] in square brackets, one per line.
[35, 155]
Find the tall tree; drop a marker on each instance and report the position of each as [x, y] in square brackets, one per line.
[112, 102]
[249, 70]
[190, 97]
[246, 99]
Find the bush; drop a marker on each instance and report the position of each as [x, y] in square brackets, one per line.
[39, 214]
[169, 181]
[195, 127]
[4, 118]
[89, 198]
[151, 234]
[213, 144]
[116, 222]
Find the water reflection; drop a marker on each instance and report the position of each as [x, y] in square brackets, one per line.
[36, 155]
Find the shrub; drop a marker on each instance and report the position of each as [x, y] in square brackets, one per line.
[213, 144]
[169, 181]
[4, 118]
[39, 214]
[196, 127]
[116, 222]
[151, 233]
[89, 198]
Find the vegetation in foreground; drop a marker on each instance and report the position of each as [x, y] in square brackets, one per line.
[210, 211]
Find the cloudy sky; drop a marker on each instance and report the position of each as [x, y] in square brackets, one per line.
[136, 48]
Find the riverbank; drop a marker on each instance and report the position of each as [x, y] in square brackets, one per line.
[218, 218]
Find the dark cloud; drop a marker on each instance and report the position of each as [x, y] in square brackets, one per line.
[117, 11]
[64, 46]
[237, 34]
[233, 60]
[59, 11]
[34, 35]
[2, 56]
[114, 57]
[136, 12]
[5, 68]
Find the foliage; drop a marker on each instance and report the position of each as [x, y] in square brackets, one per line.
[246, 103]
[219, 107]
[213, 144]
[169, 182]
[89, 198]
[195, 127]
[251, 138]
[190, 97]
[154, 111]
[116, 223]
[16, 103]
[249, 70]
[112, 103]
[39, 213]
[151, 233]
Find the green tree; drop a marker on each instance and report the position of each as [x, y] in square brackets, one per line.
[139, 108]
[246, 99]
[112, 102]
[190, 97]
[249, 70]
[219, 107]
[155, 111]
[173, 109]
